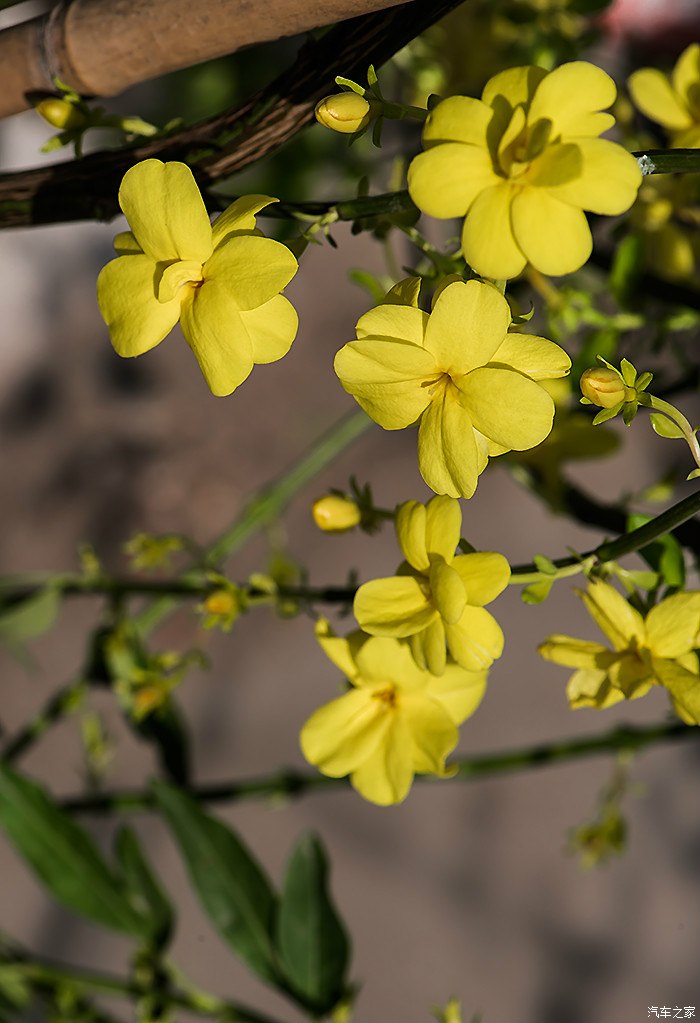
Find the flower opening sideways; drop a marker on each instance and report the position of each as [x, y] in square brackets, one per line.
[395, 721]
[437, 597]
[675, 102]
[521, 164]
[221, 281]
[656, 649]
[470, 384]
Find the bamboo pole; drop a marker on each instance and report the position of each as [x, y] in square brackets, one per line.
[101, 47]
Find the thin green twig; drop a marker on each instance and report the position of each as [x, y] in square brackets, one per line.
[296, 783]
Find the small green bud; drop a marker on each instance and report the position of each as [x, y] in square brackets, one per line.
[59, 113]
[335, 513]
[605, 387]
[345, 112]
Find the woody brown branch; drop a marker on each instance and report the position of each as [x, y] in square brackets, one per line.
[86, 189]
[101, 47]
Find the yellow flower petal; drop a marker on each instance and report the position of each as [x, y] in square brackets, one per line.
[554, 236]
[653, 94]
[447, 453]
[381, 660]
[444, 181]
[467, 325]
[488, 241]
[608, 181]
[385, 776]
[507, 407]
[575, 653]
[344, 733]
[684, 687]
[433, 732]
[447, 591]
[338, 649]
[534, 356]
[410, 532]
[558, 164]
[174, 276]
[591, 689]
[673, 625]
[443, 526]
[458, 119]
[569, 94]
[386, 379]
[239, 216]
[272, 328]
[433, 654]
[166, 211]
[216, 334]
[459, 691]
[253, 269]
[126, 245]
[613, 615]
[393, 321]
[686, 74]
[632, 676]
[476, 640]
[516, 84]
[393, 607]
[484, 575]
[137, 321]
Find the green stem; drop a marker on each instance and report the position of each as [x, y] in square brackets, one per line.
[268, 503]
[60, 704]
[51, 974]
[668, 161]
[296, 783]
[615, 549]
[677, 417]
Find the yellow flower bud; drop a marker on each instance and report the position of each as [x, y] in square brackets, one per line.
[346, 112]
[335, 514]
[605, 387]
[59, 113]
[221, 602]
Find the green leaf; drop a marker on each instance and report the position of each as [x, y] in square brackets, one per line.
[63, 855]
[231, 885]
[166, 730]
[537, 593]
[146, 895]
[664, 426]
[370, 283]
[545, 565]
[371, 75]
[693, 475]
[606, 413]
[311, 939]
[30, 617]
[348, 84]
[664, 555]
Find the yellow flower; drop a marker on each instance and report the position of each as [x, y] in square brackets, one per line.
[222, 282]
[658, 649]
[335, 513]
[346, 112]
[458, 370]
[605, 387]
[437, 596]
[396, 720]
[675, 102]
[522, 163]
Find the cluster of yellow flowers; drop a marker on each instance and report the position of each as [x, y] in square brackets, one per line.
[520, 165]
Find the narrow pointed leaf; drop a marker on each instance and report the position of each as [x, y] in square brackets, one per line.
[231, 885]
[145, 894]
[311, 939]
[63, 855]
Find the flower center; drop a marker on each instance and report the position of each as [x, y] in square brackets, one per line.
[177, 275]
[386, 696]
